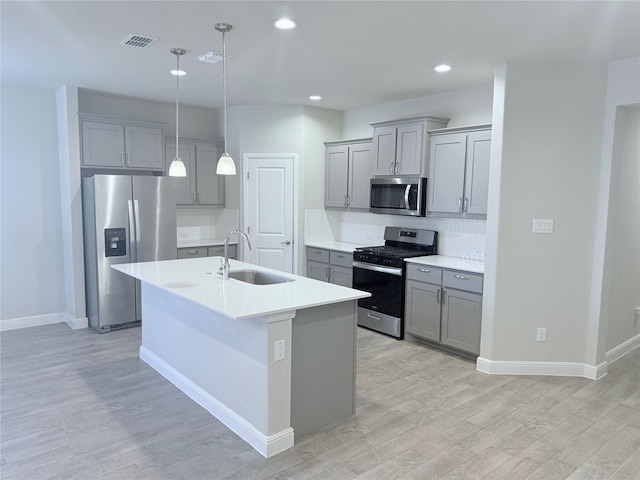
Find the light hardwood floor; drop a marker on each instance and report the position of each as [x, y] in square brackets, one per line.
[79, 405]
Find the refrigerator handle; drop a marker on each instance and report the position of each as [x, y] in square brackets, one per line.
[132, 232]
[136, 211]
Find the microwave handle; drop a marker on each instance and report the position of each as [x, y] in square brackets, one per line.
[406, 197]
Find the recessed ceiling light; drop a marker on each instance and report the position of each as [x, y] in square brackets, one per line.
[442, 68]
[315, 97]
[285, 24]
[178, 72]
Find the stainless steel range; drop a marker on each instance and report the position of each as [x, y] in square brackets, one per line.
[380, 271]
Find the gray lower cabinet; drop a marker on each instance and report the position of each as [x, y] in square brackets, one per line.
[204, 251]
[330, 266]
[444, 306]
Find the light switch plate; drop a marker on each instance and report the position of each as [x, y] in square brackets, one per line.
[542, 225]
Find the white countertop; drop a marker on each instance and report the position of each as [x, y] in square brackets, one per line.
[203, 242]
[196, 279]
[338, 246]
[454, 263]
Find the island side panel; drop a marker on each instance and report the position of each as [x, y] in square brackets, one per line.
[323, 366]
[228, 359]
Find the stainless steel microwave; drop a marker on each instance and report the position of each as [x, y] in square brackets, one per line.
[398, 195]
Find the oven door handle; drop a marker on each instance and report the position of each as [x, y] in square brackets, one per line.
[378, 268]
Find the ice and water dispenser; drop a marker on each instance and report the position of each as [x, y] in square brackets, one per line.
[115, 242]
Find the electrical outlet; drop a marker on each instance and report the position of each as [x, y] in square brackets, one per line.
[279, 350]
[542, 225]
[541, 335]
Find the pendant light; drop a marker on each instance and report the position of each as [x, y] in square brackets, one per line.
[225, 166]
[177, 168]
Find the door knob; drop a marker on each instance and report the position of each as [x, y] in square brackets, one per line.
[286, 242]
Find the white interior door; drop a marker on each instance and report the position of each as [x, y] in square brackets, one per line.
[269, 209]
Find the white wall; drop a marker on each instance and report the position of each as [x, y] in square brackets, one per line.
[550, 133]
[31, 269]
[622, 265]
[470, 106]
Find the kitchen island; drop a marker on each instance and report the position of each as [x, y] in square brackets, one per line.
[266, 360]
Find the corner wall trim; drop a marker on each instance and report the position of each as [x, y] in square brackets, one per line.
[77, 323]
[267, 445]
[621, 350]
[564, 369]
[34, 321]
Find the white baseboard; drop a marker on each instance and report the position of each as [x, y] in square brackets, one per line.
[35, 321]
[77, 323]
[564, 369]
[267, 445]
[621, 350]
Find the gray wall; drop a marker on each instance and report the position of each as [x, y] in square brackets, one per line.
[31, 269]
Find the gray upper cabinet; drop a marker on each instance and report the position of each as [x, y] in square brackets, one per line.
[400, 147]
[201, 186]
[348, 169]
[119, 145]
[459, 171]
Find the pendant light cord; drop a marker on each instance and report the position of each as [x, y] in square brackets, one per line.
[177, 109]
[224, 87]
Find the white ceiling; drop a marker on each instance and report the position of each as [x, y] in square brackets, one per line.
[354, 54]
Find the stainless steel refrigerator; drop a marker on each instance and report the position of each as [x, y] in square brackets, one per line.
[126, 219]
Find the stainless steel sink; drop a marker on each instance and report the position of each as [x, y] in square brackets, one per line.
[256, 277]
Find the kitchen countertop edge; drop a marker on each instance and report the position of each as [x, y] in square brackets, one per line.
[336, 246]
[453, 263]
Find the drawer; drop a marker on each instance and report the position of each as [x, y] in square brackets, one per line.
[470, 282]
[192, 252]
[218, 251]
[341, 258]
[424, 273]
[318, 254]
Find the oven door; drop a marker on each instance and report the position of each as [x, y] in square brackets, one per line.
[384, 284]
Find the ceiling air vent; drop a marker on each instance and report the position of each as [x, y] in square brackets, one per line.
[139, 41]
[210, 57]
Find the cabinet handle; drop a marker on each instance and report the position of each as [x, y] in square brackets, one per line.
[425, 270]
[127, 159]
[193, 252]
[442, 296]
[464, 204]
[460, 204]
[328, 272]
[348, 200]
[375, 317]
[197, 197]
[392, 167]
[122, 158]
[340, 256]
[345, 200]
[438, 296]
[462, 277]
[193, 198]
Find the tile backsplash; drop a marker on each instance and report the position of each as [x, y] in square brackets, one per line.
[205, 223]
[456, 237]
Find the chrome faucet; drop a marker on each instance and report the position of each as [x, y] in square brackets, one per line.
[225, 267]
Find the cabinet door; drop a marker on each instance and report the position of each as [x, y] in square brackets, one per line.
[360, 173]
[342, 276]
[476, 189]
[409, 149]
[102, 145]
[143, 148]
[209, 185]
[384, 150]
[336, 175]
[184, 186]
[422, 310]
[461, 320]
[446, 173]
[317, 270]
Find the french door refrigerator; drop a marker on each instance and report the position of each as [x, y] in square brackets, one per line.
[126, 219]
